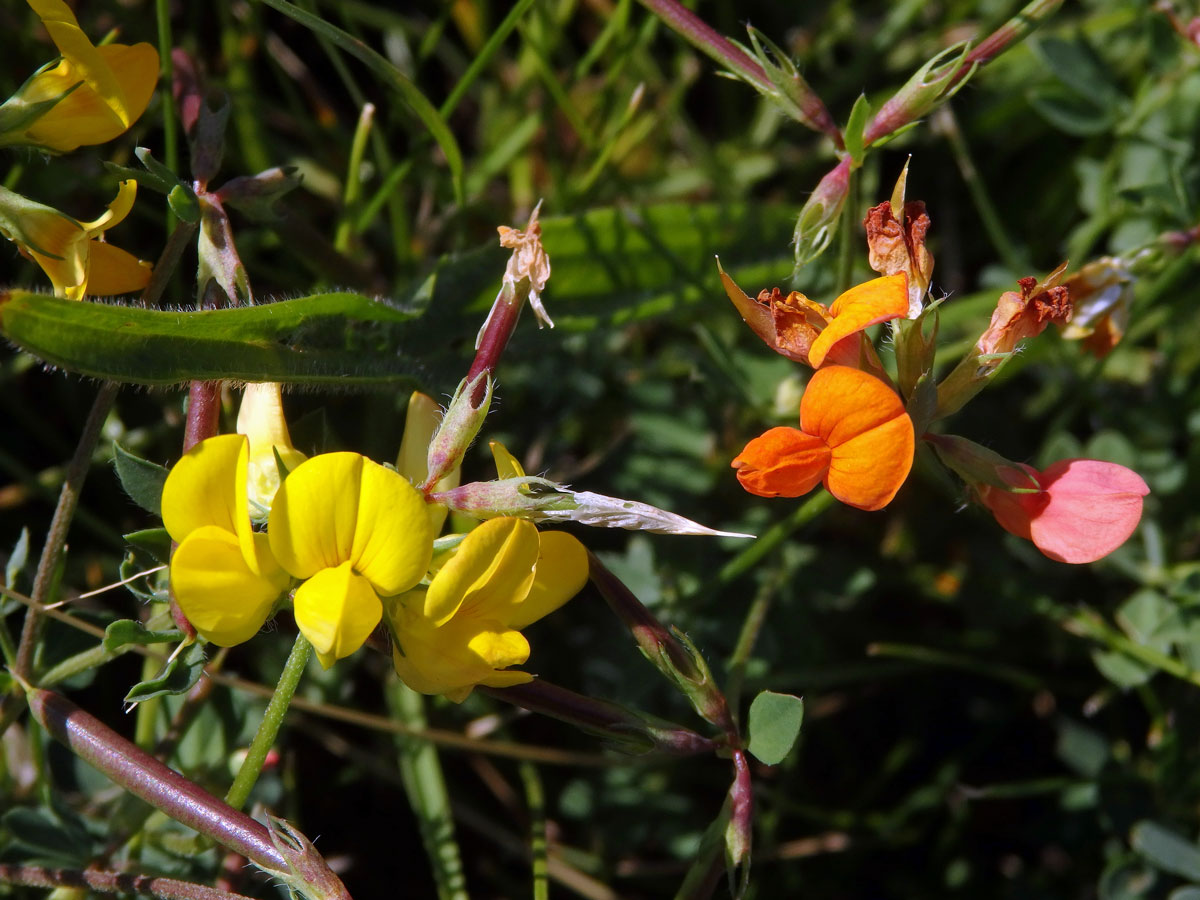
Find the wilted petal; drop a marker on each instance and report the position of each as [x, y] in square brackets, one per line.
[221, 596]
[561, 573]
[491, 570]
[337, 609]
[783, 462]
[860, 307]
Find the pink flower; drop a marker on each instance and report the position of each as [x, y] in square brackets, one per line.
[1085, 509]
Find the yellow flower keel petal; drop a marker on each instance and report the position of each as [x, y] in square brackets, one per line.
[337, 609]
[226, 601]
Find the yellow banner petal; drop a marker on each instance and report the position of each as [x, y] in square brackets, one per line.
[393, 535]
[201, 489]
[314, 514]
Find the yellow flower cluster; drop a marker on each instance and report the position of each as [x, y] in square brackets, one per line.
[89, 96]
[355, 540]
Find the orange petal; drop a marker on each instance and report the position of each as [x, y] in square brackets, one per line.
[866, 471]
[861, 306]
[840, 403]
[869, 434]
[783, 462]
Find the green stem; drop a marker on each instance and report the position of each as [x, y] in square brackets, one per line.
[846, 239]
[538, 847]
[68, 500]
[425, 785]
[252, 765]
[484, 56]
[1088, 623]
[167, 75]
[778, 533]
[358, 146]
[947, 125]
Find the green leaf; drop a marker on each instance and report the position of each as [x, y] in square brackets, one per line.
[1076, 65]
[47, 836]
[1070, 112]
[853, 135]
[1166, 849]
[390, 76]
[341, 339]
[127, 631]
[774, 725]
[176, 677]
[142, 480]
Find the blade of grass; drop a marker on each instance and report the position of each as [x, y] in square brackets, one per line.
[393, 78]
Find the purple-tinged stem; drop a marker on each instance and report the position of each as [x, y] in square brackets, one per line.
[664, 647]
[702, 36]
[606, 719]
[141, 774]
[112, 883]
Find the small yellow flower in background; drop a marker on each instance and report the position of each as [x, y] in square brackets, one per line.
[260, 418]
[464, 629]
[355, 531]
[223, 573]
[73, 254]
[103, 90]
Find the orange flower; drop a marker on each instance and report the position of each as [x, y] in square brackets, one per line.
[854, 436]
[808, 332]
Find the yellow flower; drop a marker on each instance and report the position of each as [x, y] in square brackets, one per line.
[464, 629]
[223, 574]
[71, 253]
[355, 531]
[103, 89]
[260, 418]
[349, 528]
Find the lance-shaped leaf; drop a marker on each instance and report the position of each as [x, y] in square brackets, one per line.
[343, 339]
[541, 500]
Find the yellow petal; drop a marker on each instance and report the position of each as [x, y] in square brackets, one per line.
[393, 537]
[73, 44]
[260, 418]
[341, 507]
[116, 210]
[313, 516]
[506, 464]
[452, 659]
[420, 422]
[112, 270]
[561, 573]
[491, 571]
[208, 487]
[222, 597]
[337, 610]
